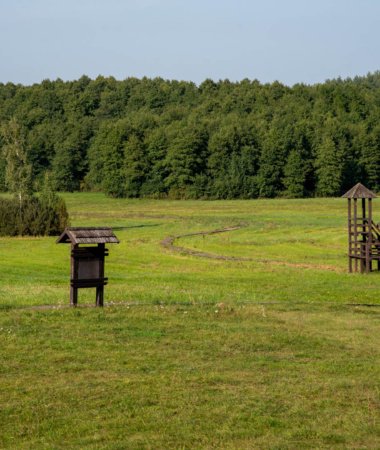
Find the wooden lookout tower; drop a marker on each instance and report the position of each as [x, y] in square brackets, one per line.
[363, 233]
[87, 263]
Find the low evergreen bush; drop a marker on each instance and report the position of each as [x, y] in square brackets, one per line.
[34, 216]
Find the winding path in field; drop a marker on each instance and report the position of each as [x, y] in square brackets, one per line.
[169, 244]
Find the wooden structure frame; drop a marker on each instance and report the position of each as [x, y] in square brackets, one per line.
[363, 233]
[87, 263]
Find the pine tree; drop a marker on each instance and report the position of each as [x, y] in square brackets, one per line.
[294, 175]
[156, 144]
[185, 160]
[3, 168]
[328, 168]
[106, 155]
[135, 164]
[64, 170]
[370, 159]
[269, 174]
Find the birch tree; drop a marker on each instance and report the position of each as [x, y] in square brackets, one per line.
[18, 172]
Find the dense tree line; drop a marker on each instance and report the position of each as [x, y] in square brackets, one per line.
[158, 138]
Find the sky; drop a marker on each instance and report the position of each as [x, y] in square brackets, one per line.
[292, 41]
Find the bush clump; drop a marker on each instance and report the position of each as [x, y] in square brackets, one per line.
[45, 215]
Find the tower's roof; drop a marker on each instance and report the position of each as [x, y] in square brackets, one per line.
[359, 191]
[88, 235]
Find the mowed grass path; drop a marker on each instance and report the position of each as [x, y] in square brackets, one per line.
[200, 353]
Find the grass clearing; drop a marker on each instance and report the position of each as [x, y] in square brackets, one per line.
[190, 377]
[200, 353]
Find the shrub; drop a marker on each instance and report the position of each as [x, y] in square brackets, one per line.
[9, 217]
[34, 216]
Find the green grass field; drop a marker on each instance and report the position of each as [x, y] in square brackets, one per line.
[276, 350]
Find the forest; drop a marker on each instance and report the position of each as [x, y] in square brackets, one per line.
[157, 138]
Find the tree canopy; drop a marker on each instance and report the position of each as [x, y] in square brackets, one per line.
[159, 138]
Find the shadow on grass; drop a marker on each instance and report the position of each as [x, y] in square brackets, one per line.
[6, 307]
[136, 226]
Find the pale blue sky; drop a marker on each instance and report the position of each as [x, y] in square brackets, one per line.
[287, 40]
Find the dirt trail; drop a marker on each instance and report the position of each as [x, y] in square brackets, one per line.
[169, 244]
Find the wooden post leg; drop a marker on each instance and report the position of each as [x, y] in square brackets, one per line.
[73, 276]
[73, 296]
[367, 258]
[99, 296]
[350, 264]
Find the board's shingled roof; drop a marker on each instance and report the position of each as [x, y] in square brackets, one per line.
[88, 235]
[359, 191]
